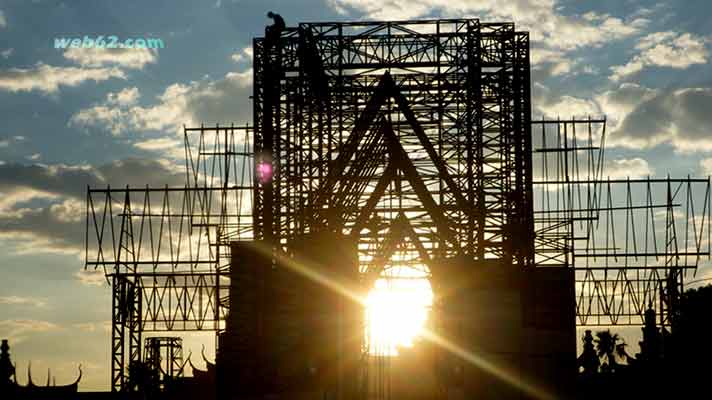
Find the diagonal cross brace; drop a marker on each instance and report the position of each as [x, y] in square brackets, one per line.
[402, 102]
[365, 120]
[404, 163]
[400, 229]
[400, 161]
[386, 88]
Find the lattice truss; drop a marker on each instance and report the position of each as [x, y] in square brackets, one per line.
[367, 124]
[416, 138]
[632, 241]
[164, 250]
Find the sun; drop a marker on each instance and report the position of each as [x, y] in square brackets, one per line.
[397, 309]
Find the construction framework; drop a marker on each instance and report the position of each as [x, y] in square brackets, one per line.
[416, 139]
[327, 92]
[164, 250]
[631, 240]
[163, 355]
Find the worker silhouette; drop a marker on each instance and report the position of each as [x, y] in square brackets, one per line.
[275, 30]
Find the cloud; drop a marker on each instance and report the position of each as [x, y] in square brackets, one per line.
[20, 300]
[221, 101]
[664, 49]
[158, 143]
[7, 53]
[12, 140]
[569, 107]
[105, 116]
[243, 55]
[621, 101]
[634, 168]
[10, 200]
[706, 166]
[68, 211]
[547, 104]
[42, 230]
[72, 180]
[94, 65]
[124, 58]
[17, 330]
[540, 17]
[42, 207]
[91, 277]
[47, 79]
[644, 117]
[59, 179]
[3, 20]
[639, 117]
[168, 146]
[104, 326]
[550, 63]
[125, 97]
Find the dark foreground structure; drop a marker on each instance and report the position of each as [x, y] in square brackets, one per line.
[376, 146]
[10, 389]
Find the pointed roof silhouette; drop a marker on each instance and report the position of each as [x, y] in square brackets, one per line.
[398, 161]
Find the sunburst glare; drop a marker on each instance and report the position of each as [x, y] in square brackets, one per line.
[397, 309]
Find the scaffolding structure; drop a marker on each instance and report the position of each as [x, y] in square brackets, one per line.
[414, 138]
[338, 106]
[163, 356]
[164, 250]
[631, 240]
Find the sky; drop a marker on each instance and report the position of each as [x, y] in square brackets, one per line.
[78, 117]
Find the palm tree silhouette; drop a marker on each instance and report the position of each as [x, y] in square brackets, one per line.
[605, 348]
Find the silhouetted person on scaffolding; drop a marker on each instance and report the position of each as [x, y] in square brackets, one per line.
[275, 30]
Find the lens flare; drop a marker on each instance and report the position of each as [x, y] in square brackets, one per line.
[396, 312]
[264, 172]
[473, 359]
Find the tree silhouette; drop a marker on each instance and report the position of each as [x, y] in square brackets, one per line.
[588, 361]
[143, 379]
[605, 348]
[691, 352]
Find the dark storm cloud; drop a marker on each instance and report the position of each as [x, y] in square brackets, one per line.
[73, 180]
[61, 179]
[55, 223]
[141, 172]
[681, 117]
[45, 230]
[629, 94]
[648, 120]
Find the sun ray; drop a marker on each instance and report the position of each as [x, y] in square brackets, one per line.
[397, 309]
